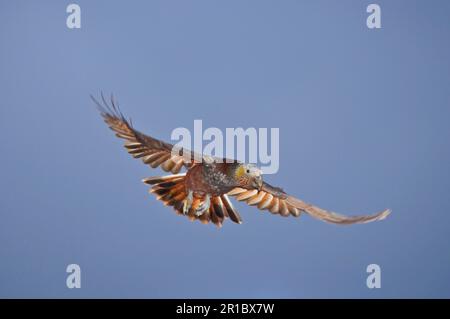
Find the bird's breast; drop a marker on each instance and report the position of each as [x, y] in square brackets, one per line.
[208, 180]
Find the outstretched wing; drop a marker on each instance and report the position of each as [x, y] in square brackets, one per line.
[152, 151]
[277, 201]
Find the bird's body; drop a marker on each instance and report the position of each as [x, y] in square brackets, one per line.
[202, 193]
[211, 178]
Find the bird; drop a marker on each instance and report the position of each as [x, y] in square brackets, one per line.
[202, 193]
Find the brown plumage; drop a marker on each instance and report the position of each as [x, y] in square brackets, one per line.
[202, 193]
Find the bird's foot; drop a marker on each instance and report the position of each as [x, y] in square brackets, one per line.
[187, 203]
[204, 206]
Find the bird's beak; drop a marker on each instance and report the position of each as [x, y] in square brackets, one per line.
[258, 183]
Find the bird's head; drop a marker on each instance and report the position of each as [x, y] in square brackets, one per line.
[248, 176]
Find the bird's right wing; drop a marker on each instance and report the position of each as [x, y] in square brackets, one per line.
[152, 151]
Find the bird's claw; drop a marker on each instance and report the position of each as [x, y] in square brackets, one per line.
[188, 202]
[203, 206]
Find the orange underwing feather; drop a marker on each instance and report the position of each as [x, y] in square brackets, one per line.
[172, 192]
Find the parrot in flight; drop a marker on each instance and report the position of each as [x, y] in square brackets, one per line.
[203, 192]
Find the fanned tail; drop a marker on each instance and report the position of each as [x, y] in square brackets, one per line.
[171, 190]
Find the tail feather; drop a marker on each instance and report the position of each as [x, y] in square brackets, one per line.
[171, 191]
[232, 212]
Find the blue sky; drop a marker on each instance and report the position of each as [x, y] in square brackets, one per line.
[363, 118]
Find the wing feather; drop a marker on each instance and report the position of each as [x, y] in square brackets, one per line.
[276, 201]
[152, 151]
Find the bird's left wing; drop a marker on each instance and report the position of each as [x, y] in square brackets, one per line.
[277, 201]
[152, 151]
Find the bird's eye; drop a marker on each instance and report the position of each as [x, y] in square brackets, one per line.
[248, 171]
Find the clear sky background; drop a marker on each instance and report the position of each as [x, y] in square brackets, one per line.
[363, 117]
